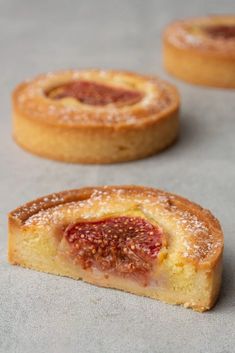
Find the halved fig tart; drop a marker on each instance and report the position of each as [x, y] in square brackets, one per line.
[140, 240]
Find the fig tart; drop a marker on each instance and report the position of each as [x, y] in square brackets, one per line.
[95, 116]
[202, 50]
[136, 239]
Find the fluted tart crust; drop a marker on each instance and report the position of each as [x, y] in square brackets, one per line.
[95, 116]
[137, 239]
[202, 50]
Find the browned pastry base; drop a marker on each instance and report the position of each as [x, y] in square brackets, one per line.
[95, 116]
[202, 50]
[140, 240]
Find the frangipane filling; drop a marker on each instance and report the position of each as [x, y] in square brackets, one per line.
[93, 93]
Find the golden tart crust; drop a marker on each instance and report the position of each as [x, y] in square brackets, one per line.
[201, 50]
[186, 269]
[95, 116]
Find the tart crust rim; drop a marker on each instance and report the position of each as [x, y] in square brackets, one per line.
[143, 121]
[18, 216]
[200, 48]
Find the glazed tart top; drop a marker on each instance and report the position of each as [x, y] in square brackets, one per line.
[95, 98]
[211, 34]
[180, 226]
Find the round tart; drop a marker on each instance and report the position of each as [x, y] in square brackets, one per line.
[95, 116]
[140, 240]
[202, 50]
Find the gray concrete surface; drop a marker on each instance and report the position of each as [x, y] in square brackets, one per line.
[42, 313]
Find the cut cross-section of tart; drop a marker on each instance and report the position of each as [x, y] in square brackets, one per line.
[95, 116]
[202, 50]
[140, 240]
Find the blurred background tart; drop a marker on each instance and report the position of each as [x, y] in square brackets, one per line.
[201, 50]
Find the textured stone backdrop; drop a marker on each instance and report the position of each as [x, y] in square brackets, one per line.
[42, 313]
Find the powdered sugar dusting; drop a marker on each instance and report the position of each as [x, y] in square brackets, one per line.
[32, 100]
[35, 207]
[199, 242]
[193, 33]
[198, 237]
